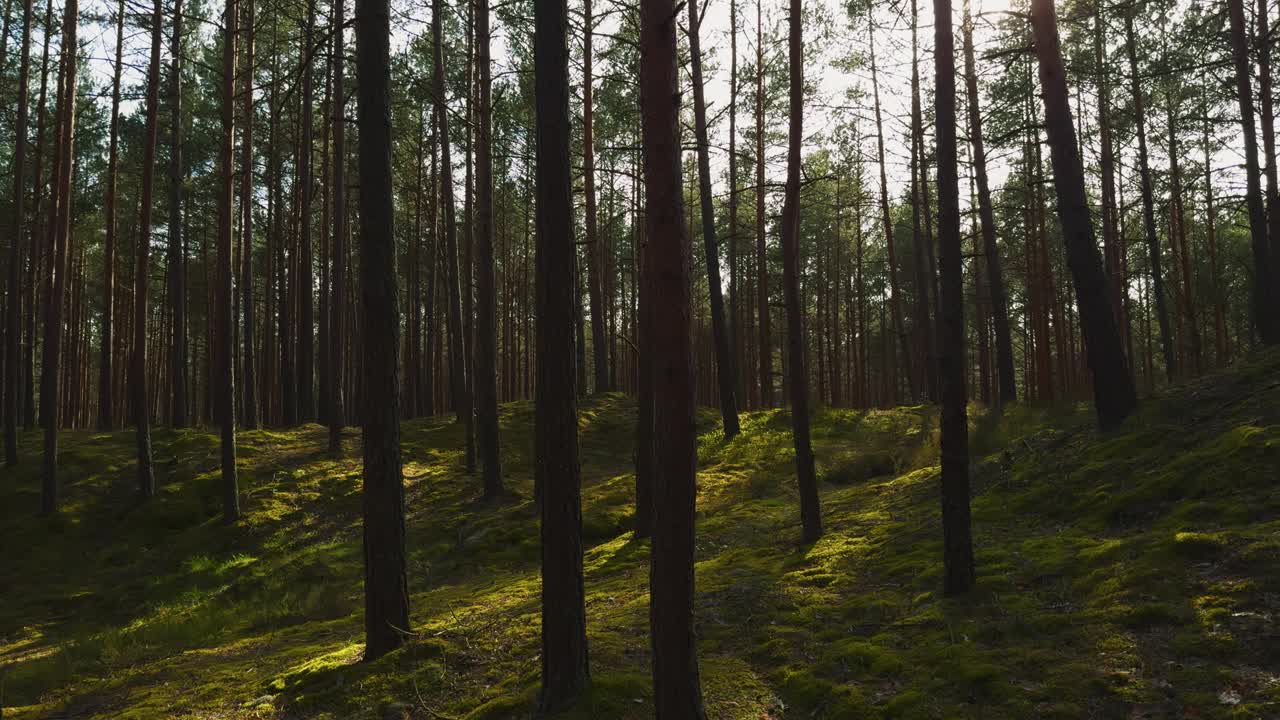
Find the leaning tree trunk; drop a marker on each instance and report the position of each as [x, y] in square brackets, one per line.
[1007, 380]
[486, 350]
[142, 270]
[1114, 396]
[1264, 315]
[677, 692]
[720, 332]
[224, 368]
[557, 473]
[386, 592]
[957, 543]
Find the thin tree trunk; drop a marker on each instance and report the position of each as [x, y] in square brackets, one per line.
[457, 362]
[762, 260]
[806, 477]
[13, 310]
[1114, 397]
[558, 477]
[1221, 355]
[1007, 381]
[486, 350]
[338, 309]
[106, 420]
[249, 383]
[177, 240]
[224, 370]
[1148, 203]
[919, 214]
[720, 332]
[386, 617]
[1265, 317]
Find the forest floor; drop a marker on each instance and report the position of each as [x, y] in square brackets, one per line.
[1132, 575]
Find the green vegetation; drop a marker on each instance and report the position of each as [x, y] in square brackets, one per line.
[1131, 575]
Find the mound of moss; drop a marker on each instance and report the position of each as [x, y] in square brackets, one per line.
[1133, 574]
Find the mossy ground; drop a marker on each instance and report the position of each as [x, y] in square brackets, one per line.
[1132, 575]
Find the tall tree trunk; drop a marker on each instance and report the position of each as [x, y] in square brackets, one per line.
[386, 592]
[919, 214]
[1264, 41]
[142, 270]
[958, 575]
[249, 383]
[338, 309]
[677, 691]
[594, 246]
[762, 260]
[13, 310]
[1007, 381]
[1178, 239]
[453, 294]
[1264, 292]
[1111, 240]
[1148, 202]
[306, 261]
[806, 477]
[106, 411]
[37, 232]
[557, 473]
[177, 239]
[720, 332]
[224, 366]
[895, 299]
[60, 239]
[736, 335]
[486, 350]
[1265, 318]
[1221, 356]
[1114, 397]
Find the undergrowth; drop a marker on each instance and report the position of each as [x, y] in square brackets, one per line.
[1128, 575]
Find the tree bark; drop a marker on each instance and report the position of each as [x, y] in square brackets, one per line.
[249, 383]
[177, 240]
[13, 310]
[1148, 203]
[1006, 379]
[676, 687]
[1114, 396]
[762, 259]
[806, 477]
[224, 366]
[106, 375]
[386, 591]
[719, 331]
[958, 574]
[565, 672]
[486, 350]
[1265, 319]
[338, 309]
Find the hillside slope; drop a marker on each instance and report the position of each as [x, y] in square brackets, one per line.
[1134, 575]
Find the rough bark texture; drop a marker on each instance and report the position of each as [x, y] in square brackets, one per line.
[1114, 396]
[565, 672]
[677, 692]
[958, 574]
[386, 591]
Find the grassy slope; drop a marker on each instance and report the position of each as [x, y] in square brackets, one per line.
[1133, 575]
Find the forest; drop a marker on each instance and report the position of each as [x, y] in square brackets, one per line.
[621, 359]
